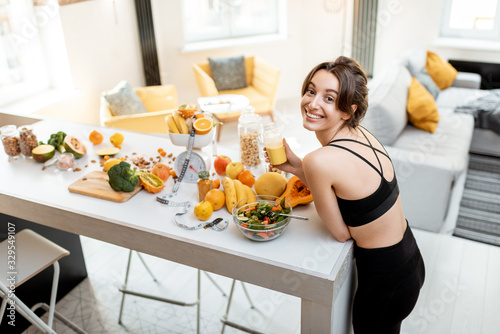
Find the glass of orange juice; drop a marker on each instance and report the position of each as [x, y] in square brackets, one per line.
[273, 141]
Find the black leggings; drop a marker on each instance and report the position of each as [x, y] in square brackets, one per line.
[389, 282]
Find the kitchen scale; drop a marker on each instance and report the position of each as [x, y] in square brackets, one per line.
[198, 162]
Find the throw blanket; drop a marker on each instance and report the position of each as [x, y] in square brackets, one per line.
[486, 111]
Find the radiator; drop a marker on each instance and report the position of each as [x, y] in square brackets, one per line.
[364, 31]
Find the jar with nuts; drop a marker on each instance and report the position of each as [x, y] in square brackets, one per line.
[27, 140]
[10, 141]
[250, 134]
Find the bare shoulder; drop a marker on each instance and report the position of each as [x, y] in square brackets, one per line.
[323, 158]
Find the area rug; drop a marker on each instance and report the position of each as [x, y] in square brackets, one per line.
[479, 215]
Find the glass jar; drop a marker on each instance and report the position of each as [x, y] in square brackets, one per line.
[27, 140]
[204, 184]
[10, 140]
[250, 132]
[273, 141]
[65, 161]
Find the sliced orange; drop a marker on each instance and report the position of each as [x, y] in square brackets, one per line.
[202, 126]
[151, 182]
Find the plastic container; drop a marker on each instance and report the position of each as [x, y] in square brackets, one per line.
[250, 134]
[204, 184]
[66, 161]
[10, 141]
[27, 140]
[273, 141]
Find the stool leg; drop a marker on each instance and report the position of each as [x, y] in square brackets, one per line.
[146, 266]
[2, 309]
[247, 294]
[199, 303]
[215, 283]
[125, 286]
[224, 317]
[55, 282]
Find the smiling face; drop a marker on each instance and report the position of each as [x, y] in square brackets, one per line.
[319, 104]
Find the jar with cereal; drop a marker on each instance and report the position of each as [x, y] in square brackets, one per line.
[250, 134]
[10, 141]
[27, 140]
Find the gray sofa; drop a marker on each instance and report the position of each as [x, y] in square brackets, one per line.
[431, 167]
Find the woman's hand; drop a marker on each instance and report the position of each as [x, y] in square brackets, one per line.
[293, 164]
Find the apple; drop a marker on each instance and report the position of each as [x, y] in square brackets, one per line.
[234, 169]
[220, 164]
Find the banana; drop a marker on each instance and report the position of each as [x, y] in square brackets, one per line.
[241, 194]
[230, 192]
[250, 194]
[180, 122]
[171, 124]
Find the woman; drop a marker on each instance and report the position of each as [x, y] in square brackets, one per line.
[356, 195]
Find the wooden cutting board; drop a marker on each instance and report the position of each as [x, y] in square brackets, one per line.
[96, 184]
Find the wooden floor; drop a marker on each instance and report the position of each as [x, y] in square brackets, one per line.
[461, 293]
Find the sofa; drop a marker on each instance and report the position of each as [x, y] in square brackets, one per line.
[158, 102]
[431, 167]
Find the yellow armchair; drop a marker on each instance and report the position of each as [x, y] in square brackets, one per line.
[262, 87]
[159, 101]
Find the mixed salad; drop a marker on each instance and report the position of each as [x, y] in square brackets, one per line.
[262, 215]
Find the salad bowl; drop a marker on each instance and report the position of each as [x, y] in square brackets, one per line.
[262, 220]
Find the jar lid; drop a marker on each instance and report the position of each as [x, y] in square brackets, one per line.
[204, 174]
[248, 115]
[9, 127]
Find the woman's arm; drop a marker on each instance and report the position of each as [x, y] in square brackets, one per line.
[318, 172]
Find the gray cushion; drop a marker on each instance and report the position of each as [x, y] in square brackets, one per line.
[388, 93]
[425, 79]
[228, 73]
[123, 100]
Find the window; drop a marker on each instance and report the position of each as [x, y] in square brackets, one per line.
[31, 49]
[230, 20]
[479, 19]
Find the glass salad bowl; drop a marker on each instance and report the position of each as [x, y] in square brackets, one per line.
[261, 219]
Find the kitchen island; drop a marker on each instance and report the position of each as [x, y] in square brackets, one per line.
[305, 261]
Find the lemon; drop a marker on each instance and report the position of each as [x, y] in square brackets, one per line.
[116, 139]
[110, 163]
[203, 210]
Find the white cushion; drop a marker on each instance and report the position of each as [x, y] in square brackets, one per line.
[453, 96]
[414, 58]
[123, 100]
[388, 93]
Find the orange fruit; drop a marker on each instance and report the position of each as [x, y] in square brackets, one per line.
[151, 182]
[216, 184]
[246, 178]
[95, 137]
[199, 115]
[203, 126]
[203, 210]
[216, 197]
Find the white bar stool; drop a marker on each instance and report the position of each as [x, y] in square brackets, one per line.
[224, 319]
[23, 256]
[125, 291]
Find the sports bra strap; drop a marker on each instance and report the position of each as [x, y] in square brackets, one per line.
[355, 141]
[374, 152]
[359, 156]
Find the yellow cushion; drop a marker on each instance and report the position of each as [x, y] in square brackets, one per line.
[440, 71]
[421, 107]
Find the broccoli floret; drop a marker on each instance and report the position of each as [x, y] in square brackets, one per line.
[122, 177]
[57, 140]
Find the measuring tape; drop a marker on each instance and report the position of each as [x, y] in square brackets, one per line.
[218, 224]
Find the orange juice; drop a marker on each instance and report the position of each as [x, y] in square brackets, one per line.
[276, 154]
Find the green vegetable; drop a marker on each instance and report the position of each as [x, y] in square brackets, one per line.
[262, 215]
[57, 140]
[122, 177]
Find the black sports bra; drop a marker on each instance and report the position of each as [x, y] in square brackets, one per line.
[363, 211]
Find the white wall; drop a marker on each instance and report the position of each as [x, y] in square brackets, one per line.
[103, 48]
[403, 23]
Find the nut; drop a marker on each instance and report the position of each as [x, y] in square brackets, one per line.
[249, 148]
